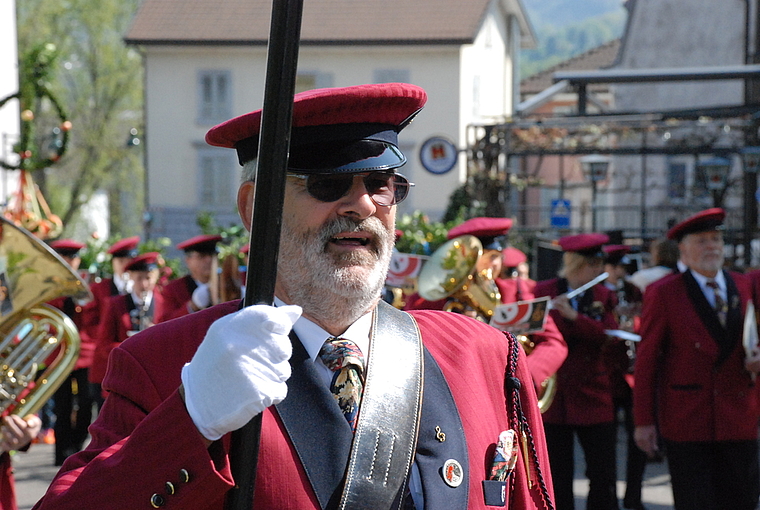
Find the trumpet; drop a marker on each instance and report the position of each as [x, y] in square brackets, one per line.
[39, 344]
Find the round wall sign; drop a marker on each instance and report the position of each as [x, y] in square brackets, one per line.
[438, 155]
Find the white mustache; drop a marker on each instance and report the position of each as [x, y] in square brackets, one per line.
[342, 224]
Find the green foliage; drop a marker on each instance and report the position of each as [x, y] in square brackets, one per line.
[234, 237]
[98, 81]
[95, 260]
[421, 236]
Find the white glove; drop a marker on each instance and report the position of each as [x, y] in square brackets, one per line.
[239, 369]
[201, 296]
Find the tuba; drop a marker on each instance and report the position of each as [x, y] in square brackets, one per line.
[450, 273]
[39, 344]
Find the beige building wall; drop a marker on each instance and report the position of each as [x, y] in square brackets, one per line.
[464, 85]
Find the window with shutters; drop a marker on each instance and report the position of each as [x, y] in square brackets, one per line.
[217, 178]
[214, 96]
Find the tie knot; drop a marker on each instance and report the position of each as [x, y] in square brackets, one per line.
[713, 284]
[337, 353]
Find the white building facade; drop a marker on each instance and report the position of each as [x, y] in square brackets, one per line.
[192, 84]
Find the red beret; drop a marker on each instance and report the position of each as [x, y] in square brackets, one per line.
[703, 221]
[616, 252]
[512, 257]
[350, 129]
[125, 247]
[201, 243]
[586, 244]
[67, 247]
[485, 229]
[144, 262]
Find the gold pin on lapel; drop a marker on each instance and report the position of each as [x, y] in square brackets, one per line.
[439, 435]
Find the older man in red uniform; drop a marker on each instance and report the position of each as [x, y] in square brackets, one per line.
[693, 389]
[178, 389]
[191, 292]
[583, 405]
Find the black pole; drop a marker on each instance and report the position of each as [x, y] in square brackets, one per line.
[274, 143]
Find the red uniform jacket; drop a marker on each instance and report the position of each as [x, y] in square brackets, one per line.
[690, 375]
[584, 388]
[144, 437]
[117, 321]
[7, 485]
[76, 313]
[177, 294]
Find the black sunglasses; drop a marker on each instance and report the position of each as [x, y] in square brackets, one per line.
[384, 188]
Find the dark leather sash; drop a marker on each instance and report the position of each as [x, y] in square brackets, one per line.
[386, 432]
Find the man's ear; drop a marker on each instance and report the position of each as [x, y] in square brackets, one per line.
[245, 203]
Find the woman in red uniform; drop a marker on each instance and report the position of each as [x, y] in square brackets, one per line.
[583, 405]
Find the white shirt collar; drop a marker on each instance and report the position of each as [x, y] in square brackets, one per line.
[702, 280]
[313, 336]
[138, 299]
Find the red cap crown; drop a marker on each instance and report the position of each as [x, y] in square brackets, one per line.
[202, 243]
[124, 247]
[703, 221]
[145, 262]
[67, 247]
[616, 252]
[350, 129]
[512, 257]
[487, 230]
[586, 244]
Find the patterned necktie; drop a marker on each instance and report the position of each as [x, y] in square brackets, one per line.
[345, 359]
[721, 308]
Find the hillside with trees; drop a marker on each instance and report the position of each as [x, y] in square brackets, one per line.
[565, 28]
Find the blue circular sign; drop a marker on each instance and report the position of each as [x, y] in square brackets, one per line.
[438, 155]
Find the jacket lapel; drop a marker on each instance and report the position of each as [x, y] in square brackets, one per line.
[316, 427]
[725, 338]
[439, 410]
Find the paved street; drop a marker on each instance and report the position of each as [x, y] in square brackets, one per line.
[35, 469]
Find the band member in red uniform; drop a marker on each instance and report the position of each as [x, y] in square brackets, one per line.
[621, 356]
[121, 253]
[191, 292]
[515, 272]
[128, 314]
[695, 388]
[491, 233]
[74, 399]
[179, 388]
[549, 349]
[16, 434]
[583, 404]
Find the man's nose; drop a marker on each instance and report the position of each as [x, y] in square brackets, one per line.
[357, 202]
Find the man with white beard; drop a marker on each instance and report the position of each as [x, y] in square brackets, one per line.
[363, 406]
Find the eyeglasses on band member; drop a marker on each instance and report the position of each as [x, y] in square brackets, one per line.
[384, 188]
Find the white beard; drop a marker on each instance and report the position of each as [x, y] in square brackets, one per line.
[334, 289]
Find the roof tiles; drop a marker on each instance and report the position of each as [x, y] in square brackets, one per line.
[324, 21]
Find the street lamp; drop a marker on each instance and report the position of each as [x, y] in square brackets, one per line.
[595, 167]
[716, 175]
